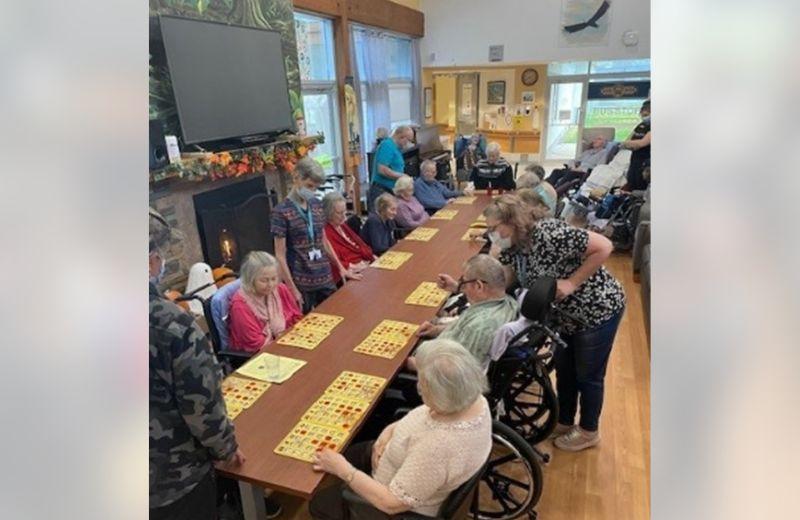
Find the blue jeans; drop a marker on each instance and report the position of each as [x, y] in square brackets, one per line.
[580, 370]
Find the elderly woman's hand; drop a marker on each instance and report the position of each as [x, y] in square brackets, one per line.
[352, 274]
[331, 462]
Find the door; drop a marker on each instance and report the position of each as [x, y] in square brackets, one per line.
[467, 103]
[564, 120]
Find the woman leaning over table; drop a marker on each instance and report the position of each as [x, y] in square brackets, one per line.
[263, 307]
[419, 460]
[532, 248]
[352, 253]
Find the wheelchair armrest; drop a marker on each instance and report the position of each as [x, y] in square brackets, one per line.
[234, 354]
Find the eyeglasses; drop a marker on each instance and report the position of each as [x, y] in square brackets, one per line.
[462, 282]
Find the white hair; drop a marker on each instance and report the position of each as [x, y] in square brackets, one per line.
[492, 147]
[308, 168]
[383, 202]
[329, 202]
[487, 269]
[400, 130]
[527, 179]
[253, 263]
[404, 183]
[452, 377]
[427, 163]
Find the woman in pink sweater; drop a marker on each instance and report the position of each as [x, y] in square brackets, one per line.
[410, 213]
[263, 307]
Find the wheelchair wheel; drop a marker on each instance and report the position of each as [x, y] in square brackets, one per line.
[512, 483]
[531, 406]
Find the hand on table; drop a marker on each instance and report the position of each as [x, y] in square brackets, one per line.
[331, 462]
[428, 330]
[352, 274]
[237, 459]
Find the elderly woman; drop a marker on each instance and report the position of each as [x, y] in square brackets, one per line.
[378, 230]
[303, 252]
[531, 177]
[494, 172]
[593, 301]
[349, 250]
[263, 307]
[542, 196]
[432, 194]
[419, 460]
[410, 213]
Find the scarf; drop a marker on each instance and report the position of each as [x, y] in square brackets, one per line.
[268, 310]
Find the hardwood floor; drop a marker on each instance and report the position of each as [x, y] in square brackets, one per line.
[612, 480]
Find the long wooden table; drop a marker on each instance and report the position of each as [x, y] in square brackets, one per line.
[363, 304]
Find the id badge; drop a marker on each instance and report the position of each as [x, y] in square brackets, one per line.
[314, 254]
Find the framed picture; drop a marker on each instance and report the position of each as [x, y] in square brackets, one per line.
[428, 102]
[528, 96]
[496, 92]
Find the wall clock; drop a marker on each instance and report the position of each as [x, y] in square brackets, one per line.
[529, 77]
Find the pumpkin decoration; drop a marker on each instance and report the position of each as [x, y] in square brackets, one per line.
[222, 276]
[173, 295]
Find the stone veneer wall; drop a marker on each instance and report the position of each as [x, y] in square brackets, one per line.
[175, 202]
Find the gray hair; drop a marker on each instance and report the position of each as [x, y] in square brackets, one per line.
[384, 201]
[536, 169]
[253, 263]
[308, 168]
[404, 183]
[329, 202]
[400, 130]
[427, 163]
[451, 375]
[493, 147]
[487, 269]
[527, 180]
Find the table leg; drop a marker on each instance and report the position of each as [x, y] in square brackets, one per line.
[252, 501]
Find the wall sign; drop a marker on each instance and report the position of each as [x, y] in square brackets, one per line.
[496, 52]
[619, 90]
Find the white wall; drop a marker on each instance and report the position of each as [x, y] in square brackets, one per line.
[459, 32]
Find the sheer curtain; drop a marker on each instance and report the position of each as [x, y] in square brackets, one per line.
[369, 49]
[416, 82]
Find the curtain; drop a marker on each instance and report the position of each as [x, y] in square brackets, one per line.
[369, 49]
[416, 84]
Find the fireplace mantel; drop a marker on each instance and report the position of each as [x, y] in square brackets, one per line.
[209, 167]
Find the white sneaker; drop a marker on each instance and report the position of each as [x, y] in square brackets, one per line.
[560, 430]
[577, 439]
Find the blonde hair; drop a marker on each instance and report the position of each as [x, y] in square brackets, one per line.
[253, 263]
[403, 184]
[511, 210]
[383, 202]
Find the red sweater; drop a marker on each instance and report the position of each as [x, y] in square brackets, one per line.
[348, 253]
[247, 331]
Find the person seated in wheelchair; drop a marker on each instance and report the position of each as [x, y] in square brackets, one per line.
[593, 156]
[493, 172]
[484, 286]
[263, 307]
[418, 461]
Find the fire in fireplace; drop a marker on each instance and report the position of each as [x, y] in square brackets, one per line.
[234, 220]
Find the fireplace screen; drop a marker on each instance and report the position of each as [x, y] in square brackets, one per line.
[234, 220]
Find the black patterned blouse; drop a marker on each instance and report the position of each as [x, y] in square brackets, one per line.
[558, 250]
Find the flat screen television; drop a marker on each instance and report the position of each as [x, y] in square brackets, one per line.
[229, 81]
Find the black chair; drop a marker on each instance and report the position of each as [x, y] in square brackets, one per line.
[457, 504]
[231, 359]
[354, 223]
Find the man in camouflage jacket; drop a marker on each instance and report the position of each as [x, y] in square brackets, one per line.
[189, 427]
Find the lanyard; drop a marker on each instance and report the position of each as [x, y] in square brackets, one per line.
[309, 219]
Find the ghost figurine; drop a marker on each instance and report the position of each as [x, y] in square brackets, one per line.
[200, 275]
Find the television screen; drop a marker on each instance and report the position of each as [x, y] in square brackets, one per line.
[229, 81]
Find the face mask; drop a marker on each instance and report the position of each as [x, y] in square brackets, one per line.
[305, 193]
[502, 243]
[409, 145]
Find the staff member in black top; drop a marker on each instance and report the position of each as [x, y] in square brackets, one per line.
[639, 143]
[494, 172]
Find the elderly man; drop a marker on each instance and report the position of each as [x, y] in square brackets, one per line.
[189, 427]
[484, 286]
[594, 155]
[389, 165]
[494, 172]
[432, 194]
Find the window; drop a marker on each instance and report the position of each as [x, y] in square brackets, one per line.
[567, 68]
[606, 67]
[318, 84]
